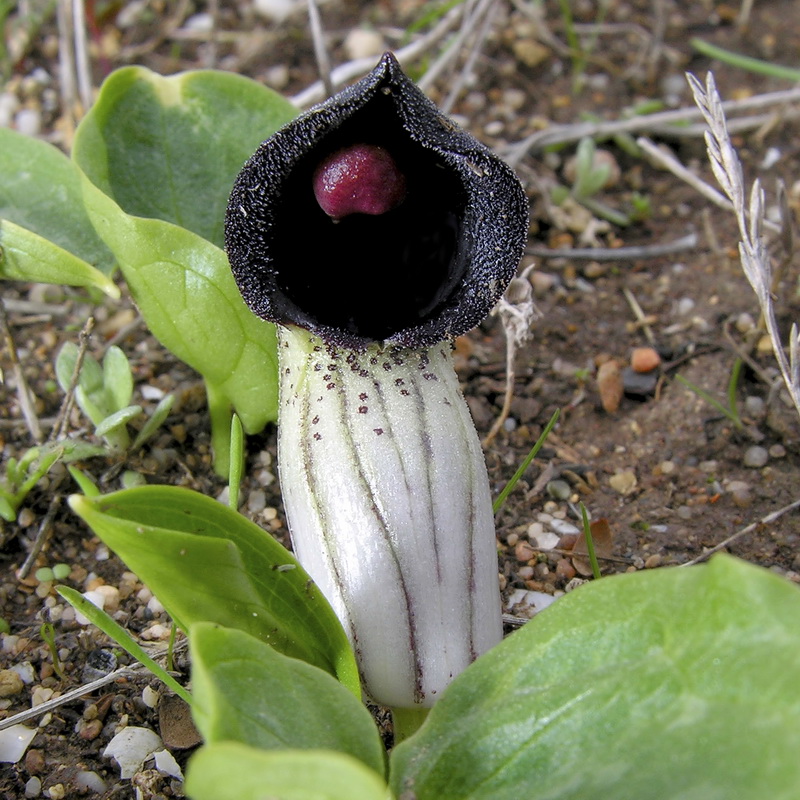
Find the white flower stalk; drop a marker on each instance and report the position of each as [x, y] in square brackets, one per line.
[374, 231]
[385, 486]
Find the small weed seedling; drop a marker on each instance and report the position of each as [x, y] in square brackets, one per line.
[104, 394]
[731, 410]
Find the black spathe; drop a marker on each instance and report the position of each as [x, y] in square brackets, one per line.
[427, 271]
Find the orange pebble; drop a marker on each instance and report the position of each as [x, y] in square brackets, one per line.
[644, 359]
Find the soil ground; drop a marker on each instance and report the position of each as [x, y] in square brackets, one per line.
[670, 474]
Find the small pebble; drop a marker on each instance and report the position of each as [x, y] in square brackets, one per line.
[87, 779]
[564, 528]
[362, 43]
[623, 482]
[740, 493]
[28, 121]
[558, 489]
[755, 457]
[524, 551]
[88, 731]
[525, 573]
[565, 570]
[545, 540]
[685, 305]
[777, 451]
[744, 323]
[653, 561]
[667, 467]
[639, 384]
[610, 385]
[34, 761]
[257, 501]
[33, 787]
[110, 597]
[644, 359]
[755, 407]
[10, 683]
[543, 282]
[26, 518]
[709, 467]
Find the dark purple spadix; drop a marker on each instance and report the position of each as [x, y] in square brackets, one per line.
[359, 179]
[373, 218]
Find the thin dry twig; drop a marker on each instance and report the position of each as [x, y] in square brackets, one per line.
[641, 318]
[320, 50]
[42, 535]
[750, 218]
[743, 532]
[474, 13]
[68, 697]
[637, 253]
[517, 311]
[360, 66]
[666, 160]
[469, 63]
[24, 394]
[664, 123]
[62, 420]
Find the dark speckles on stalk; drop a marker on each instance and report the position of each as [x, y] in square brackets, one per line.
[439, 241]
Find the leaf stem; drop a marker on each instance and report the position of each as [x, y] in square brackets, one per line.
[407, 721]
[587, 532]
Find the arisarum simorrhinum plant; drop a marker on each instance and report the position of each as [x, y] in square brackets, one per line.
[373, 231]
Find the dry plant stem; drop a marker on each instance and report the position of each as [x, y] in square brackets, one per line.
[666, 160]
[743, 532]
[688, 242]
[68, 697]
[641, 318]
[481, 9]
[62, 421]
[663, 122]
[23, 390]
[352, 69]
[42, 535]
[469, 63]
[511, 351]
[81, 54]
[320, 50]
[750, 218]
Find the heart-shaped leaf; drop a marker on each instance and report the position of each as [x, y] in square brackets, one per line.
[171, 147]
[665, 683]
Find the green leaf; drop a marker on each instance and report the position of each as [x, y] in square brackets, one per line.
[233, 771]
[170, 148]
[247, 692]
[26, 256]
[185, 291]
[117, 421]
[40, 190]
[666, 683]
[120, 636]
[91, 375]
[117, 378]
[154, 421]
[206, 563]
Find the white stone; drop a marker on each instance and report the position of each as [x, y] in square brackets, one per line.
[14, 742]
[131, 747]
[546, 540]
[166, 763]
